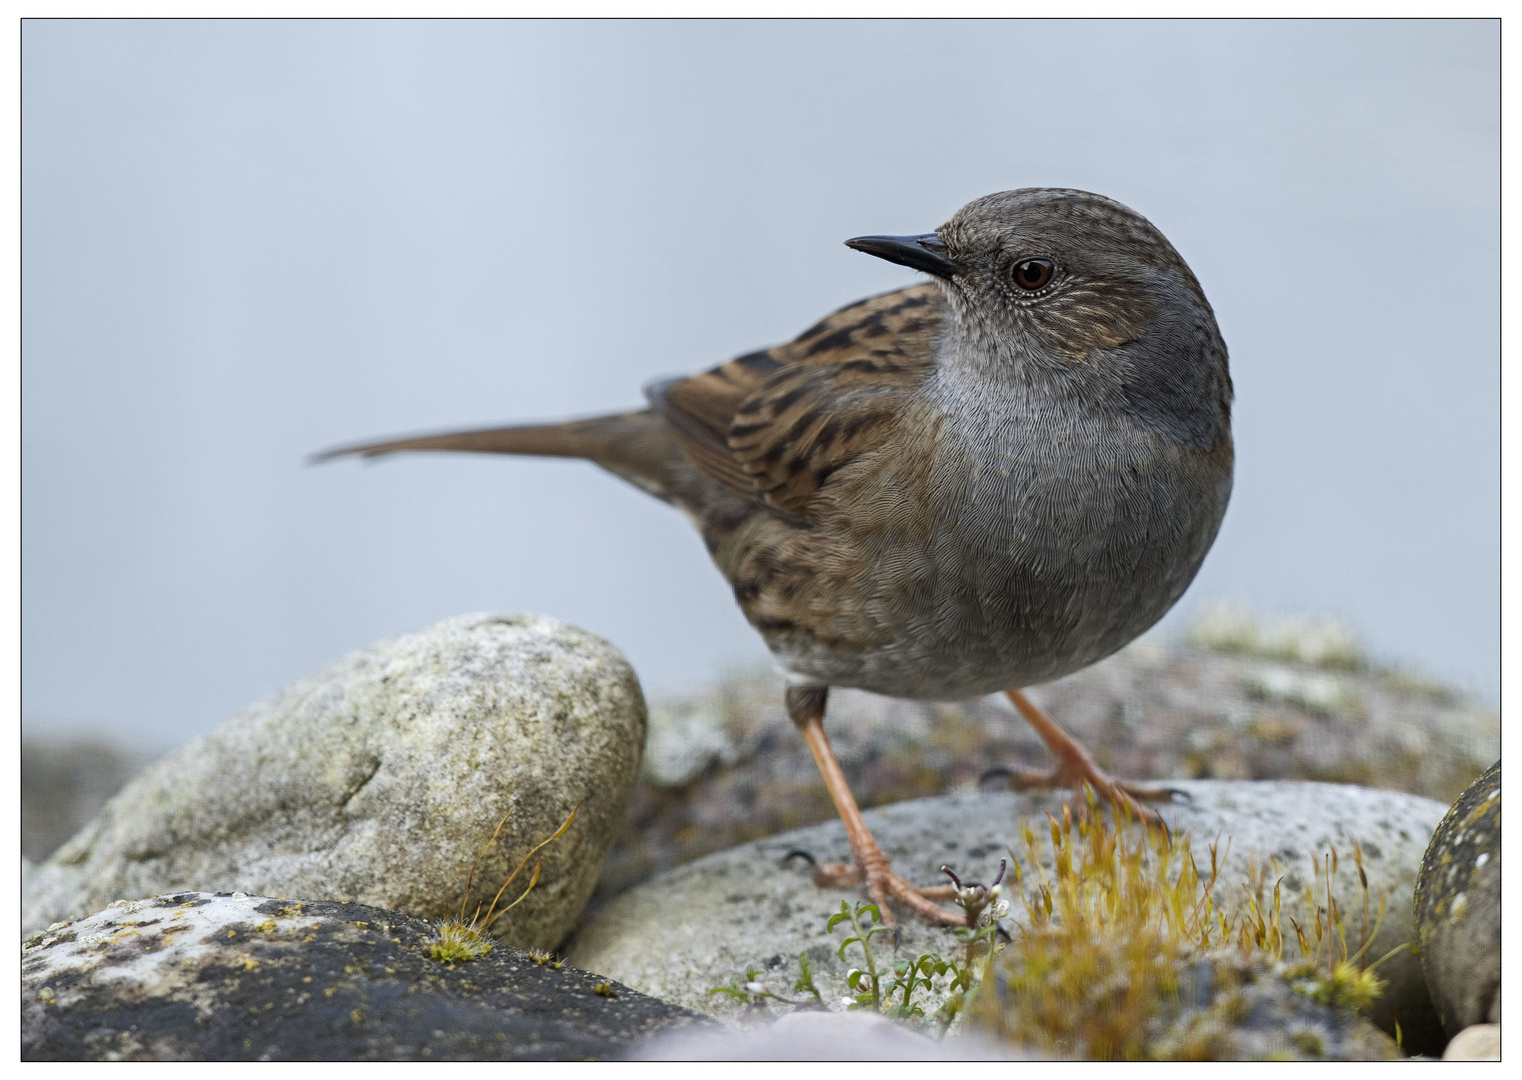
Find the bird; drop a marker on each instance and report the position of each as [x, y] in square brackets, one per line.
[973, 484]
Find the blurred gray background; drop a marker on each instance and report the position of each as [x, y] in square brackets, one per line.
[246, 241]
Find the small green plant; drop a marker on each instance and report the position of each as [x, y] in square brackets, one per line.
[891, 989]
[455, 940]
[865, 921]
[753, 994]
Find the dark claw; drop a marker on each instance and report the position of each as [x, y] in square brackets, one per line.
[996, 771]
[895, 939]
[799, 853]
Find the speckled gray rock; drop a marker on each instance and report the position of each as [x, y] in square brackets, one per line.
[1458, 908]
[379, 779]
[696, 927]
[227, 978]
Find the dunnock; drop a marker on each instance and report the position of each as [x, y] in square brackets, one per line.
[973, 484]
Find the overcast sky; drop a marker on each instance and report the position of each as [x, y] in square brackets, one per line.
[246, 241]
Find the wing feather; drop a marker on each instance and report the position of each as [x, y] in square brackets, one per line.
[773, 425]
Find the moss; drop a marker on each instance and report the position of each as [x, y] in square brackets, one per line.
[1308, 1042]
[1127, 957]
[458, 940]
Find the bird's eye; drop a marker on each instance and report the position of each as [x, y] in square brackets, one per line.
[1032, 274]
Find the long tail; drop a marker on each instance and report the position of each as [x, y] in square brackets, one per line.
[636, 446]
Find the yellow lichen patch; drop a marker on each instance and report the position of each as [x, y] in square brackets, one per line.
[1486, 805]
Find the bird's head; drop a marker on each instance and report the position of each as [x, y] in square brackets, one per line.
[1060, 284]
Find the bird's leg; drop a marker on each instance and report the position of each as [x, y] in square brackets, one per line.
[805, 706]
[1075, 767]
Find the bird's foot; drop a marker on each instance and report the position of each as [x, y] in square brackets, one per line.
[1078, 773]
[885, 887]
[1076, 770]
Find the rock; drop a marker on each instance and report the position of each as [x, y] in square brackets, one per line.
[200, 977]
[818, 1036]
[1478, 1042]
[1239, 699]
[66, 781]
[380, 778]
[1458, 908]
[694, 928]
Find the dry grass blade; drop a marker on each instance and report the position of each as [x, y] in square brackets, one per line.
[556, 835]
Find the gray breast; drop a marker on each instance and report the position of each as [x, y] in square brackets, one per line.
[1055, 537]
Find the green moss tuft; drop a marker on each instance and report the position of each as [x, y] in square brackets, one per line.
[456, 942]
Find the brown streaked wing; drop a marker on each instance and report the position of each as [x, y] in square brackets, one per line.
[773, 425]
[843, 384]
[693, 408]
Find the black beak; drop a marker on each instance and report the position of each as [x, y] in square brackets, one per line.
[924, 252]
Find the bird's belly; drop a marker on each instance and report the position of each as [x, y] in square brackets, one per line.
[1016, 594]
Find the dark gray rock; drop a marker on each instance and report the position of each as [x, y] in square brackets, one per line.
[205, 977]
[380, 778]
[1458, 908]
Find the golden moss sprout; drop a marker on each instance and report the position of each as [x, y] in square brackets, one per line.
[456, 940]
[1107, 932]
[1326, 971]
[1122, 921]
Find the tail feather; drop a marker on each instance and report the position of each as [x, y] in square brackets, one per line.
[637, 446]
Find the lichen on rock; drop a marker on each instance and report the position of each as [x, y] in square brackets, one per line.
[202, 977]
[1458, 908]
